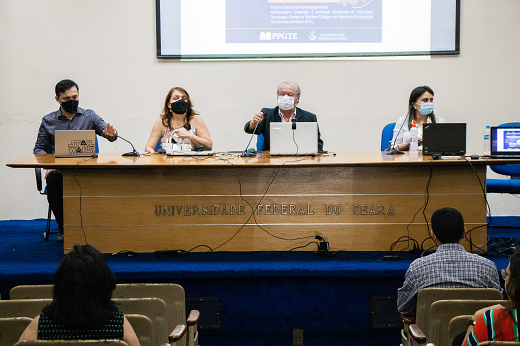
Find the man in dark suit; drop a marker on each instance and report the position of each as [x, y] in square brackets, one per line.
[288, 97]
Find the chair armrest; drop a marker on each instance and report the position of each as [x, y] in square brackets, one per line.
[177, 333]
[408, 319]
[417, 334]
[193, 318]
[39, 184]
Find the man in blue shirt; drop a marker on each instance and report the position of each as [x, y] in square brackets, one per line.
[68, 117]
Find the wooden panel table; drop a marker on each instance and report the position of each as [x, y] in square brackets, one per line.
[361, 201]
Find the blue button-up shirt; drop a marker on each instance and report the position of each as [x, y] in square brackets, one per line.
[84, 119]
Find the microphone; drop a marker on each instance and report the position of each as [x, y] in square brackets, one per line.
[132, 153]
[394, 151]
[246, 153]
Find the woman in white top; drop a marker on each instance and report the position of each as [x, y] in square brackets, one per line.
[420, 109]
[179, 123]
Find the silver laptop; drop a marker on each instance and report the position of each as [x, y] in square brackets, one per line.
[189, 153]
[294, 138]
[505, 142]
[74, 143]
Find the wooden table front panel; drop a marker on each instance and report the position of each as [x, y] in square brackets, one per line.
[356, 208]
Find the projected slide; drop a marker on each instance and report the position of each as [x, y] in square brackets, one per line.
[286, 21]
[206, 29]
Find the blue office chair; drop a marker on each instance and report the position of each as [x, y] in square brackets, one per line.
[259, 142]
[386, 136]
[43, 191]
[512, 183]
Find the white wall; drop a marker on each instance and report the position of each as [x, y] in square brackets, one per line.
[108, 48]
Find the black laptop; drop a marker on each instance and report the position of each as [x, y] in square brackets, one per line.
[505, 142]
[446, 139]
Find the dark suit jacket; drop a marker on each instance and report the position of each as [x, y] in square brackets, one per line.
[271, 114]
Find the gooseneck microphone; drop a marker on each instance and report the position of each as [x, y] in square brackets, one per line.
[246, 153]
[131, 153]
[393, 150]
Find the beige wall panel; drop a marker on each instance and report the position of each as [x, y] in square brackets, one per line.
[367, 237]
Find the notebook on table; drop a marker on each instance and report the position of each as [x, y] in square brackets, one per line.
[296, 138]
[505, 142]
[74, 143]
[446, 139]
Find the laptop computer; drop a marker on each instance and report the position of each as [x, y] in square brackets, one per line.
[74, 143]
[189, 153]
[297, 138]
[447, 139]
[505, 142]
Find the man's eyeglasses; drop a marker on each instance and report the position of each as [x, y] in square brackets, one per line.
[504, 273]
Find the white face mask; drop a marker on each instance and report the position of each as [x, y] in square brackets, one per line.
[286, 102]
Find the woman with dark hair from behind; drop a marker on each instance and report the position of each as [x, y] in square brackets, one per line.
[82, 306]
[420, 110]
[497, 322]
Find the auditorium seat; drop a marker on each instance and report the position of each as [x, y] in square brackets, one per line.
[153, 308]
[426, 297]
[443, 311]
[175, 337]
[143, 328]
[11, 329]
[31, 292]
[174, 297]
[23, 307]
[458, 324]
[172, 294]
[386, 136]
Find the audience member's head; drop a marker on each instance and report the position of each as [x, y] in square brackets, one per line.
[447, 225]
[82, 289]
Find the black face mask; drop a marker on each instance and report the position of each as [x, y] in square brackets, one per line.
[70, 106]
[179, 107]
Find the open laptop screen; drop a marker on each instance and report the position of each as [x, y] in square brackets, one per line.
[505, 140]
[444, 139]
[74, 143]
[298, 138]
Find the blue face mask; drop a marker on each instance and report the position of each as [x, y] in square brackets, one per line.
[426, 108]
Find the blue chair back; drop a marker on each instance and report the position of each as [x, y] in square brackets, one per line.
[386, 136]
[158, 146]
[259, 142]
[510, 169]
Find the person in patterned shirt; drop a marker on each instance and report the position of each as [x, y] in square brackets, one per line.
[82, 308]
[450, 266]
[499, 322]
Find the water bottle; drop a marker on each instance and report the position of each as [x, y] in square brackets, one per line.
[414, 147]
[487, 141]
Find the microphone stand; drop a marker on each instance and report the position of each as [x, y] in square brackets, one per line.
[246, 153]
[394, 151]
[131, 153]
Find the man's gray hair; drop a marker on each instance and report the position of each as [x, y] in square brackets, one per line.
[292, 83]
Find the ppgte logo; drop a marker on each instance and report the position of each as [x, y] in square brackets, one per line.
[269, 36]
